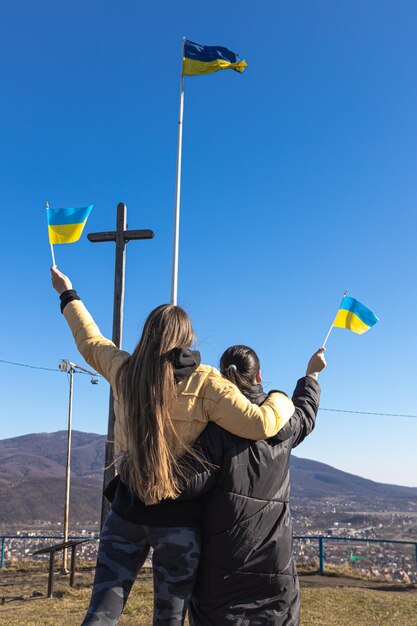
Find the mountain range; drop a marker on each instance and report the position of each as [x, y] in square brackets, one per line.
[32, 478]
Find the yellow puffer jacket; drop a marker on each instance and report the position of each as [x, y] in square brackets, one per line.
[204, 396]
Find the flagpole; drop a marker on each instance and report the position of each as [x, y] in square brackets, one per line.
[174, 281]
[332, 326]
[52, 247]
[53, 256]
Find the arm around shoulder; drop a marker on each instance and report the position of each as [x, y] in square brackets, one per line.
[228, 407]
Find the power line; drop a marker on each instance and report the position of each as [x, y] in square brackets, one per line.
[33, 367]
[368, 413]
[49, 369]
[38, 367]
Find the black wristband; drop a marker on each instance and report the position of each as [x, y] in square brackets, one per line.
[68, 296]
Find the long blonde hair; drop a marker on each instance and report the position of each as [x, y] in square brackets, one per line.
[146, 384]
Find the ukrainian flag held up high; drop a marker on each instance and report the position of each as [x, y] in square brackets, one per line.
[199, 59]
[354, 316]
[66, 225]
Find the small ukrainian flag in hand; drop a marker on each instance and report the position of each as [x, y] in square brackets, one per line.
[354, 316]
[66, 225]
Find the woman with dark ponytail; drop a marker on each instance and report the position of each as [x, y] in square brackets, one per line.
[163, 400]
[247, 573]
[240, 364]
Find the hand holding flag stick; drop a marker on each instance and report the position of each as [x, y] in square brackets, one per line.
[316, 364]
[354, 316]
[60, 282]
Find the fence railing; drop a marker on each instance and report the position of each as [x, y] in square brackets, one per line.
[4, 538]
[321, 539]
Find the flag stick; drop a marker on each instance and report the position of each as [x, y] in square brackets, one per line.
[327, 336]
[52, 247]
[53, 256]
[332, 326]
[174, 283]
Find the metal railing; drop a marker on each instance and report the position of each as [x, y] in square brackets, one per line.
[320, 538]
[4, 538]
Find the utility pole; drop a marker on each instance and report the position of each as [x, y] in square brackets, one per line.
[71, 368]
[121, 236]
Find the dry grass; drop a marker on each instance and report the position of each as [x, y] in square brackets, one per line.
[324, 606]
[357, 607]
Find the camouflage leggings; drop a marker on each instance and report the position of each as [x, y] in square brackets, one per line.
[123, 549]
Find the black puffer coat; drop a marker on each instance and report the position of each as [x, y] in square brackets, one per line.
[247, 573]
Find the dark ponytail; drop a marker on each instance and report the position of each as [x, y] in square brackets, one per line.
[240, 365]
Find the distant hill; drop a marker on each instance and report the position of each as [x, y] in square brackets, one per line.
[311, 479]
[32, 477]
[45, 454]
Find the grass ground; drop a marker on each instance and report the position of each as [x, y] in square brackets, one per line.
[326, 601]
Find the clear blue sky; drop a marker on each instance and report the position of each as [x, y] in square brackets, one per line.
[299, 181]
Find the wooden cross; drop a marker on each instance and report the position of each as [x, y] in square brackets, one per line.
[121, 236]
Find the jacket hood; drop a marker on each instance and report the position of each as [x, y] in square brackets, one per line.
[185, 362]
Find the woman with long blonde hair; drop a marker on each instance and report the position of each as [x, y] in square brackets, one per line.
[163, 400]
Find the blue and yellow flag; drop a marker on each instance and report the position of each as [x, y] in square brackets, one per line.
[66, 225]
[199, 59]
[354, 316]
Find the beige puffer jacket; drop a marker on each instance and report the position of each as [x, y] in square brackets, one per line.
[204, 396]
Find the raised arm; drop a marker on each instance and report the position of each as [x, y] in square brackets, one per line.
[306, 398]
[99, 352]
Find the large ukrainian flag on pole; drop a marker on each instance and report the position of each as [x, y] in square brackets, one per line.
[199, 59]
[354, 316]
[66, 225]
[196, 60]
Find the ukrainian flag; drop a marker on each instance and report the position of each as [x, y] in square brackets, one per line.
[66, 225]
[199, 59]
[354, 316]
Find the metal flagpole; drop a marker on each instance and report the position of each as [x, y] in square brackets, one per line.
[174, 283]
[68, 467]
[52, 247]
[331, 327]
[67, 366]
